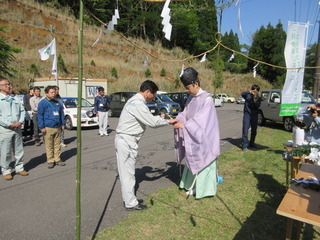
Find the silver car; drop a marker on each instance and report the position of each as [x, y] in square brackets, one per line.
[240, 100]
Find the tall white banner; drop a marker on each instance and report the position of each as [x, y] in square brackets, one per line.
[295, 54]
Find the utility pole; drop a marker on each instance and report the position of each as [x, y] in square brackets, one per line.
[316, 79]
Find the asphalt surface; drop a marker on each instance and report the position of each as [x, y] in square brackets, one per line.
[42, 205]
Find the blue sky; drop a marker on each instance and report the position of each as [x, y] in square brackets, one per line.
[255, 13]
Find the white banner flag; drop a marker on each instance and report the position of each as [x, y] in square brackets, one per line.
[295, 54]
[48, 50]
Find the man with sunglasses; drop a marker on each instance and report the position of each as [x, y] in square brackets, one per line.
[12, 114]
[250, 116]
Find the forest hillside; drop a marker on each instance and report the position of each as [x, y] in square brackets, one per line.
[114, 57]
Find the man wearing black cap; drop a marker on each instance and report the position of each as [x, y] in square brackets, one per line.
[197, 139]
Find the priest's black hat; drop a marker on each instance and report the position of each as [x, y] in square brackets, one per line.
[189, 76]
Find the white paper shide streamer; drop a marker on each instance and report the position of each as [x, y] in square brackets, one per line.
[182, 70]
[239, 17]
[231, 57]
[165, 14]
[145, 64]
[98, 39]
[254, 70]
[203, 58]
[114, 20]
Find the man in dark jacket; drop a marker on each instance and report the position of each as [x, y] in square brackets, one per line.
[250, 116]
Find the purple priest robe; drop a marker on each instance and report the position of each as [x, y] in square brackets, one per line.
[199, 141]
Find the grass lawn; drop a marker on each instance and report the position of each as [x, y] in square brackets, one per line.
[244, 208]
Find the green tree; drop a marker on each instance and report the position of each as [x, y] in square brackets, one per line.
[163, 72]
[114, 72]
[61, 66]
[194, 25]
[147, 73]
[34, 70]
[268, 46]
[239, 63]
[6, 56]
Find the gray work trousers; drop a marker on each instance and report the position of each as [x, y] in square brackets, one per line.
[127, 151]
[11, 142]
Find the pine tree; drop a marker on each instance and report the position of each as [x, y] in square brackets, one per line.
[6, 56]
[268, 46]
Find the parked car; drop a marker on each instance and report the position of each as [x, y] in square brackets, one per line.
[119, 99]
[270, 108]
[178, 97]
[218, 102]
[226, 98]
[167, 105]
[88, 117]
[240, 100]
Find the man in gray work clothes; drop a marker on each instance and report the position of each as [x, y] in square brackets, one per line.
[134, 118]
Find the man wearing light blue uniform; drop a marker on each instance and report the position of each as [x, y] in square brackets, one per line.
[12, 115]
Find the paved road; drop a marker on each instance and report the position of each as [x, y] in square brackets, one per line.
[42, 205]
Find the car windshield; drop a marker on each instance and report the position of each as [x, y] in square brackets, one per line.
[164, 98]
[307, 98]
[72, 102]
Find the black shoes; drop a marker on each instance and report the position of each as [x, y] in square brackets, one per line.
[138, 207]
[252, 145]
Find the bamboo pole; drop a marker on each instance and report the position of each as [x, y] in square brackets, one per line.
[78, 177]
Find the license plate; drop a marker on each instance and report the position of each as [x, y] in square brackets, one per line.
[153, 111]
[174, 110]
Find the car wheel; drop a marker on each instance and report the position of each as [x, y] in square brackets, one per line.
[288, 124]
[110, 113]
[261, 119]
[229, 101]
[68, 123]
[163, 110]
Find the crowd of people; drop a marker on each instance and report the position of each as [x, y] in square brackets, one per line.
[38, 114]
[196, 132]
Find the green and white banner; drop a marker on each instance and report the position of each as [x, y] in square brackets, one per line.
[295, 54]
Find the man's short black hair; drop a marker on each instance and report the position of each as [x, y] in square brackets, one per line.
[149, 85]
[255, 87]
[100, 89]
[48, 88]
[36, 88]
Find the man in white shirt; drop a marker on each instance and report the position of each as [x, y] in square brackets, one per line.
[34, 102]
[134, 118]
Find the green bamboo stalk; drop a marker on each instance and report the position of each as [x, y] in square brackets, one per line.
[79, 143]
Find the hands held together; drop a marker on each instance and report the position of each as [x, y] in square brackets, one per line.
[174, 122]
